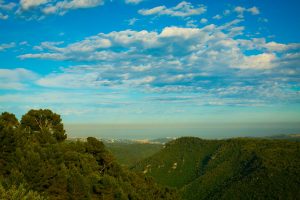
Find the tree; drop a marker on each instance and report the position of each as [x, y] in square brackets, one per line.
[97, 149]
[94, 146]
[44, 122]
[16, 193]
[8, 125]
[8, 120]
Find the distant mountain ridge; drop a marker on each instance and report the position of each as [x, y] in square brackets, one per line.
[241, 168]
[127, 141]
[164, 140]
[291, 137]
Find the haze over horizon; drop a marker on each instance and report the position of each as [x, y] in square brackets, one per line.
[154, 62]
[202, 130]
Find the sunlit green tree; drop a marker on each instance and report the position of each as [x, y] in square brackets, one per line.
[44, 122]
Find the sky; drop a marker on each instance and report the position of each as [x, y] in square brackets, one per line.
[144, 61]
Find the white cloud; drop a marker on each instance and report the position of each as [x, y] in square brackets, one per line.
[241, 10]
[183, 9]
[140, 81]
[254, 10]
[132, 21]
[7, 45]
[7, 6]
[87, 80]
[182, 33]
[38, 9]
[260, 61]
[217, 17]
[14, 79]
[191, 23]
[16, 74]
[57, 97]
[261, 19]
[3, 17]
[230, 24]
[23, 43]
[261, 44]
[210, 62]
[133, 1]
[226, 12]
[152, 11]
[28, 4]
[203, 21]
[210, 48]
[62, 7]
[89, 44]
[274, 46]
[53, 56]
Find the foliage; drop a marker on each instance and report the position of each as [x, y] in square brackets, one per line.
[129, 154]
[228, 169]
[45, 122]
[17, 193]
[8, 120]
[37, 164]
[291, 137]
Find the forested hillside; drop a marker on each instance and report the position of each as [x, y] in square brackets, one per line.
[228, 169]
[129, 154]
[37, 163]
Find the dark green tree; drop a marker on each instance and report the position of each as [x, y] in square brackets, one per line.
[44, 123]
[8, 120]
[8, 128]
[94, 146]
[16, 193]
[33, 165]
[97, 149]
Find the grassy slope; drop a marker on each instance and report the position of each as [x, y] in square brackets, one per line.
[228, 169]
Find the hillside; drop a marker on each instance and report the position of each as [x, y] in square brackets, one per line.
[227, 169]
[291, 137]
[130, 153]
[37, 163]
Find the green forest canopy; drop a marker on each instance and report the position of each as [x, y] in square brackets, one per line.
[37, 163]
[240, 168]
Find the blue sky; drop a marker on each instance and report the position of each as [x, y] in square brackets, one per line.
[143, 61]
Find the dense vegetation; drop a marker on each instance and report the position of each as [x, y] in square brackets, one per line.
[37, 163]
[290, 137]
[228, 169]
[129, 154]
